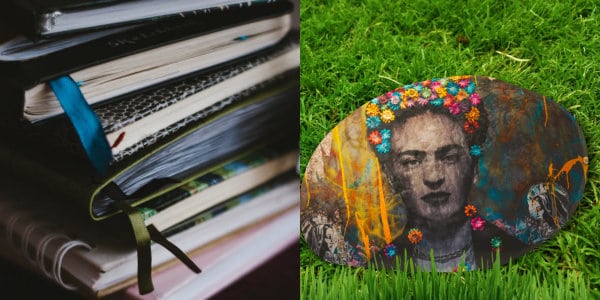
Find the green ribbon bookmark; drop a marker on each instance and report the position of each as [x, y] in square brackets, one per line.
[143, 235]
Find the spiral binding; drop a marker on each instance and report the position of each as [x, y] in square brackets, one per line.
[41, 255]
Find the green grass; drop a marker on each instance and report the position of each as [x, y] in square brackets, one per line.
[498, 282]
[354, 50]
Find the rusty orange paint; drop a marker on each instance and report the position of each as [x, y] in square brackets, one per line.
[546, 111]
[566, 168]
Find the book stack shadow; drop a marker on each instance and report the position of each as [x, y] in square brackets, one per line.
[149, 148]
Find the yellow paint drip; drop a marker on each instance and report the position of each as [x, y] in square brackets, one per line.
[336, 137]
[382, 207]
[364, 236]
[307, 191]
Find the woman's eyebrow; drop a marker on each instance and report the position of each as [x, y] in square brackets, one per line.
[416, 153]
[442, 151]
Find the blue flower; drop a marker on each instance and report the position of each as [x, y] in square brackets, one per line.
[418, 87]
[375, 101]
[437, 102]
[373, 122]
[452, 88]
[475, 150]
[394, 107]
[386, 134]
[470, 88]
[390, 250]
[384, 147]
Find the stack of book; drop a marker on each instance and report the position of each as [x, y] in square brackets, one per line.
[148, 146]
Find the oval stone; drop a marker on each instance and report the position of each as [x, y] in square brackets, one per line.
[456, 171]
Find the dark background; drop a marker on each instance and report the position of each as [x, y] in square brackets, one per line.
[277, 279]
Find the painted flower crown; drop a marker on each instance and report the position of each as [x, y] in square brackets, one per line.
[456, 94]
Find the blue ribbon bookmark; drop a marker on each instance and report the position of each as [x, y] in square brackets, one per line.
[85, 121]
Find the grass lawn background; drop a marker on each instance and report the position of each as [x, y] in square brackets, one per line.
[352, 51]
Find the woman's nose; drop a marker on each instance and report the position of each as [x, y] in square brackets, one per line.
[433, 176]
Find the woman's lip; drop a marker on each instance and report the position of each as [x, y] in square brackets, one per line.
[436, 198]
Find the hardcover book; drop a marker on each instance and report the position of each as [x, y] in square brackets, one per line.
[46, 18]
[123, 62]
[133, 122]
[267, 117]
[76, 253]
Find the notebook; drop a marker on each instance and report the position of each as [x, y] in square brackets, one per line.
[135, 121]
[270, 116]
[123, 62]
[99, 260]
[223, 261]
[53, 17]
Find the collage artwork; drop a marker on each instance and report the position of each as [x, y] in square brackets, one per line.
[456, 170]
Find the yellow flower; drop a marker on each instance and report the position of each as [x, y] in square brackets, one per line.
[441, 91]
[372, 109]
[387, 116]
[472, 115]
[412, 93]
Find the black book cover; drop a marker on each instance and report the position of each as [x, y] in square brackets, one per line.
[39, 18]
[17, 76]
[28, 15]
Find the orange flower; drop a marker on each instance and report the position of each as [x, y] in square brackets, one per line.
[375, 138]
[372, 109]
[462, 95]
[415, 236]
[470, 210]
[472, 115]
[387, 116]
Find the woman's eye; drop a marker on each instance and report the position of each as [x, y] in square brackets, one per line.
[407, 163]
[451, 158]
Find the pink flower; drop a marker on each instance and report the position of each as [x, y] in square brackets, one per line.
[463, 83]
[477, 223]
[454, 109]
[475, 99]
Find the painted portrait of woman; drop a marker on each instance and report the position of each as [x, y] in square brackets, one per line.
[443, 170]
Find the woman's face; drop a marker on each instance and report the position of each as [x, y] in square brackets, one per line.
[330, 239]
[431, 166]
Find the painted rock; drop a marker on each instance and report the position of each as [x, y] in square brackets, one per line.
[457, 171]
